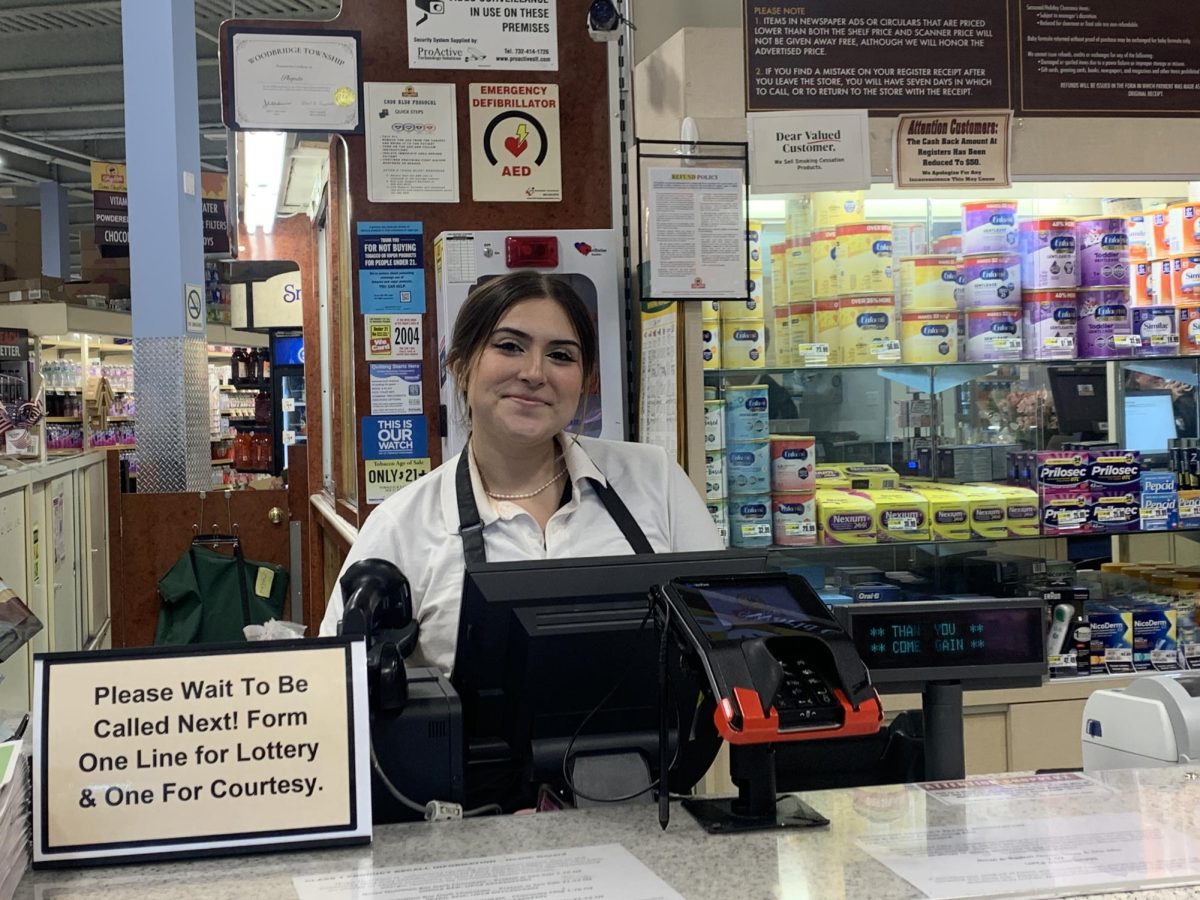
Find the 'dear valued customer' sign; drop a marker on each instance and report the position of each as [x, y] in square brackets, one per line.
[141, 754]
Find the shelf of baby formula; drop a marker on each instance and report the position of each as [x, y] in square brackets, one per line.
[64, 419]
[925, 367]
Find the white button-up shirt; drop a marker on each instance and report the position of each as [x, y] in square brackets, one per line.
[417, 529]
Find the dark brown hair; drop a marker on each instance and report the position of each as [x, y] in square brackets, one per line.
[486, 305]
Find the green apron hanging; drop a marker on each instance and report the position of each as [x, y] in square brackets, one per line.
[208, 597]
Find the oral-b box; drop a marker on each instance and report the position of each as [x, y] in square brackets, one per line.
[1116, 513]
[875, 593]
[844, 517]
[1022, 513]
[1115, 470]
[949, 513]
[900, 515]
[1155, 639]
[985, 508]
[869, 476]
[1112, 641]
[1160, 501]
[1060, 471]
[1067, 513]
[1189, 509]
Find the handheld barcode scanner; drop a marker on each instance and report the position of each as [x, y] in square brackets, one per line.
[780, 669]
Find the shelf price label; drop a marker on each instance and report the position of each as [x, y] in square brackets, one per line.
[1006, 343]
[885, 348]
[1065, 342]
[753, 531]
[288, 438]
[1164, 340]
[288, 404]
[799, 529]
[1127, 340]
[813, 353]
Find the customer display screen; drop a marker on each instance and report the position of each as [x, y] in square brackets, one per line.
[897, 639]
[732, 611]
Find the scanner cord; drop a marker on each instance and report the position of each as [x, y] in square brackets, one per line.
[414, 806]
[578, 731]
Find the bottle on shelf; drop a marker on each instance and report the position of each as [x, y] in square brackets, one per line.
[263, 367]
[241, 367]
[262, 408]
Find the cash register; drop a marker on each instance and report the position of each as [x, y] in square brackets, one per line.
[1153, 722]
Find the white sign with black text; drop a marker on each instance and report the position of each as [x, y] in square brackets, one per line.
[412, 143]
[809, 151]
[295, 82]
[953, 150]
[469, 34]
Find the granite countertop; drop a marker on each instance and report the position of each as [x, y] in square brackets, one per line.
[823, 863]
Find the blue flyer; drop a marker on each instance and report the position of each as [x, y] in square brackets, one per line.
[394, 437]
[391, 267]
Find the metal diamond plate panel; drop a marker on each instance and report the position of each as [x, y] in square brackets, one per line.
[172, 427]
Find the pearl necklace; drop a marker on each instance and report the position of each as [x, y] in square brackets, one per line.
[528, 494]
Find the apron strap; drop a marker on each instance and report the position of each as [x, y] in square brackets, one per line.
[620, 514]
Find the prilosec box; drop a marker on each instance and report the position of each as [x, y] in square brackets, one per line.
[1117, 471]
[900, 515]
[1115, 512]
[844, 517]
[1059, 471]
[1067, 512]
[949, 513]
[1159, 501]
[985, 508]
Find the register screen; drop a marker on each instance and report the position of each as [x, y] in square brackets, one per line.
[735, 612]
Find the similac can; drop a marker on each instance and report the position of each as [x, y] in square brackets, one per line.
[1048, 323]
[1104, 330]
[993, 335]
[827, 330]
[1146, 284]
[779, 276]
[794, 519]
[824, 263]
[1188, 314]
[990, 280]
[989, 226]
[1182, 221]
[747, 415]
[1137, 229]
[1103, 252]
[1048, 257]
[750, 520]
[748, 467]
[715, 486]
[947, 245]
[864, 258]
[799, 269]
[793, 463]
[743, 345]
[1184, 278]
[869, 329]
[800, 322]
[780, 346]
[714, 425]
[833, 208]
[710, 344]
[719, 510]
[928, 282]
[797, 217]
[1155, 325]
[755, 244]
[1156, 232]
[929, 336]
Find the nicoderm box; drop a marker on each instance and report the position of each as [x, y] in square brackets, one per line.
[1112, 641]
[1155, 639]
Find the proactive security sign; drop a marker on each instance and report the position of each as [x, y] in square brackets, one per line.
[394, 437]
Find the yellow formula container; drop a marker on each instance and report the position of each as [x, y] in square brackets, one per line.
[928, 336]
[743, 345]
[751, 310]
[824, 263]
[710, 344]
[826, 331]
[844, 517]
[833, 208]
[870, 334]
[755, 244]
[949, 513]
[710, 311]
[781, 348]
[899, 515]
[780, 295]
[799, 269]
[864, 258]
[928, 282]
[797, 214]
[800, 322]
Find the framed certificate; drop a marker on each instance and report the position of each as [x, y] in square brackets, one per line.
[295, 81]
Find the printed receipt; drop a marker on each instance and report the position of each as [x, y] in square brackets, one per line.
[603, 872]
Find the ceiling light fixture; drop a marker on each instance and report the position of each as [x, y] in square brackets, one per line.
[264, 174]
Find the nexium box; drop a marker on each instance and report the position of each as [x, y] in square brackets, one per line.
[900, 515]
[843, 517]
[986, 509]
[949, 513]
[1022, 514]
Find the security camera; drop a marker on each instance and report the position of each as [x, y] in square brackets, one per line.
[430, 8]
[604, 21]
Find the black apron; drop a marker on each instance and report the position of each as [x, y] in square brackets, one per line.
[470, 528]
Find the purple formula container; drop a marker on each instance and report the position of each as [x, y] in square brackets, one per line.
[1103, 251]
[1049, 260]
[989, 226]
[1157, 328]
[1048, 322]
[994, 335]
[993, 279]
[1104, 330]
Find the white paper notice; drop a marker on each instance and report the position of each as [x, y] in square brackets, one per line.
[412, 143]
[516, 150]
[298, 82]
[660, 380]
[1051, 786]
[606, 872]
[467, 34]
[697, 234]
[820, 150]
[953, 150]
[1038, 855]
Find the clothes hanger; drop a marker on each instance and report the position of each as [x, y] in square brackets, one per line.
[216, 538]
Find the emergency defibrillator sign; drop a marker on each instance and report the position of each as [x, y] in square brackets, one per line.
[394, 437]
[516, 152]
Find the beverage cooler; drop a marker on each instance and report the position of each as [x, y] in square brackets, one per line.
[289, 414]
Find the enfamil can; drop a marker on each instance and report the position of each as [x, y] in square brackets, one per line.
[743, 345]
[793, 463]
[989, 226]
[864, 258]
[750, 521]
[747, 414]
[714, 425]
[1048, 256]
[798, 252]
[824, 263]
[833, 208]
[869, 329]
[928, 282]
[929, 336]
[794, 519]
[715, 483]
[827, 329]
[748, 467]
[1048, 323]
[710, 345]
